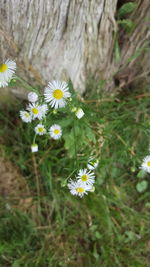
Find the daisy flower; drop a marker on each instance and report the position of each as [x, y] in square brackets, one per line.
[146, 164]
[32, 97]
[79, 113]
[37, 111]
[86, 177]
[78, 189]
[25, 116]
[56, 94]
[34, 148]
[92, 164]
[7, 70]
[40, 129]
[55, 131]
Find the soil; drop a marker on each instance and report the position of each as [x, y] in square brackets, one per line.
[13, 187]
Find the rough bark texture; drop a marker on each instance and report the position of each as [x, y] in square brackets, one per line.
[135, 63]
[57, 39]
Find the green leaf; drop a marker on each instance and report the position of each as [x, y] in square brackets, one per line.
[141, 174]
[127, 24]
[130, 236]
[126, 9]
[147, 205]
[90, 135]
[142, 186]
[98, 235]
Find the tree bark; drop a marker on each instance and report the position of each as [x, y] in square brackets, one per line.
[71, 39]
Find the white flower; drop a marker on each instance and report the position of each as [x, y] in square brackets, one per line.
[55, 131]
[25, 116]
[40, 129]
[92, 164]
[85, 176]
[32, 97]
[79, 189]
[146, 164]
[34, 147]
[56, 94]
[37, 111]
[79, 113]
[7, 70]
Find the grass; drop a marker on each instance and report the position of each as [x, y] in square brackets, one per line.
[107, 228]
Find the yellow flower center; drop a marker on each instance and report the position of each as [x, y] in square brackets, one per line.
[80, 189]
[56, 131]
[27, 115]
[58, 94]
[3, 68]
[84, 177]
[40, 129]
[35, 111]
[148, 163]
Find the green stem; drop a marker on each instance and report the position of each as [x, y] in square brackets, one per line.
[75, 145]
[25, 84]
[34, 139]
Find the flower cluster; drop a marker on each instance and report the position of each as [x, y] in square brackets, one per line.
[84, 181]
[38, 109]
[55, 95]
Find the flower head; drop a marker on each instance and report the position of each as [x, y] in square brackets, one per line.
[146, 164]
[86, 177]
[34, 148]
[78, 188]
[37, 111]
[56, 94]
[79, 113]
[25, 116]
[32, 97]
[55, 131]
[92, 164]
[40, 129]
[7, 70]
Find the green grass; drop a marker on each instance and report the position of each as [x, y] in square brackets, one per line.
[107, 228]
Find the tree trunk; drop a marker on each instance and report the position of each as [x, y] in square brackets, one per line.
[72, 39]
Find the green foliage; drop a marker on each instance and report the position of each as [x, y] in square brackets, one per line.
[126, 9]
[109, 227]
[142, 186]
[127, 24]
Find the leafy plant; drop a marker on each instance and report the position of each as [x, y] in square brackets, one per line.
[126, 9]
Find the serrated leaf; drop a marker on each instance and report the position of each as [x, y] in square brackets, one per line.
[126, 9]
[142, 186]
